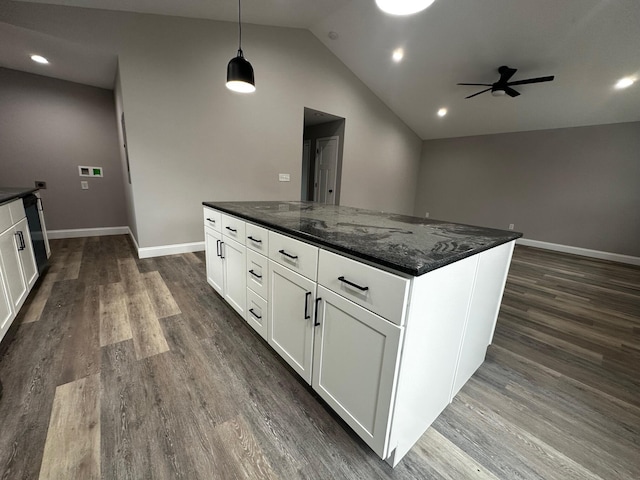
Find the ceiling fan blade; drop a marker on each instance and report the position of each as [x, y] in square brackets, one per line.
[478, 93]
[476, 84]
[532, 80]
[511, 92]
[506, 73]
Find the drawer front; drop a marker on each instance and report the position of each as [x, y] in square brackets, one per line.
[17, 211]
[257, 312]
[234, 228]
[5, 218]
[381, 292]
[257, 238]
[294, 254]
[212, 219]
[257, 273]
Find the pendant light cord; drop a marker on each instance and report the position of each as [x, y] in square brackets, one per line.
[239, 30]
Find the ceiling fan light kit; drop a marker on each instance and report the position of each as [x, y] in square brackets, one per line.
[240, 76]
[503, 85]
[403, 7]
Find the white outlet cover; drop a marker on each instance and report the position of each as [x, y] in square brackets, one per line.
[284, 177]
[84, 185]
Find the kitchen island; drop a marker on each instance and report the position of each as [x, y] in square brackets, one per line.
[386, 316]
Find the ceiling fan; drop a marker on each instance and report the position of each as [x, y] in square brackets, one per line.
[503, 85]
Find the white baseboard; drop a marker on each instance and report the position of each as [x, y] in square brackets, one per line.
[162, 250]
[614, 257]
[87, 232]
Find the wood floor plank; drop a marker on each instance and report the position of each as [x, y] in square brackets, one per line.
[114, 315]
[72, 448]
[161, 298]
[36, 306]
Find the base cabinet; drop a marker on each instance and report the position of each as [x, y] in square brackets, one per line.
[6, 308]
[356, 356]
[226, 260]
[290, 329]
[385, 351]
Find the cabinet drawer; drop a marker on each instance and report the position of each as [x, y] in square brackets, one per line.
[294, 254]
[257, 312]
[17, 210]
[234, 228]
[381, 292]
[212, 219]
[257, 238]
[5, 218]
[257, 273]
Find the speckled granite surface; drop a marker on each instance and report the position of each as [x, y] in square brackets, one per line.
[8, 194]
[406, 244]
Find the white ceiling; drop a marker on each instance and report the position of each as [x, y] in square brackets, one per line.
[587, 44]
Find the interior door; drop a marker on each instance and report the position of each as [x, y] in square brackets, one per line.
[326, 168]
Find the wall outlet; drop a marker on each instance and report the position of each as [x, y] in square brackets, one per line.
[426, 215]
[511, 225]
[41, 185]
[284, 177]
[84, 185]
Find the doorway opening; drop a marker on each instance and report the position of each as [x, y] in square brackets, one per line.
[322, 146]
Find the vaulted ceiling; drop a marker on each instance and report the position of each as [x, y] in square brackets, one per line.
[587, 44]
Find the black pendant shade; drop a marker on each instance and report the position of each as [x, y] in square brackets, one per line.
[240, 75]
[239, 71]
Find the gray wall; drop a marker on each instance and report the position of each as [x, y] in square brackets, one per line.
[48, 128]
[571, 186]
[313, 133]
[190, 139]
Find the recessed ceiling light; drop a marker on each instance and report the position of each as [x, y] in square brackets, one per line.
[39, 59]
[403, 7]
[398, 54]
[442, 112]
[625, 82]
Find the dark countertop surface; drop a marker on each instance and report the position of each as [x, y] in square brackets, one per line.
[410, 245]
[7, 194]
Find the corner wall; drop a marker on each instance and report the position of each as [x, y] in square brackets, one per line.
[48, 128]
[573, 186]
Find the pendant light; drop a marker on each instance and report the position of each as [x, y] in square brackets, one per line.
[403, 7]
[239, 71]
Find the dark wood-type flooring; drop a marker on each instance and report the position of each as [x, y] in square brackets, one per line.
[132, 369]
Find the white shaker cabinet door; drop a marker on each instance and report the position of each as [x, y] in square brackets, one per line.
[235, 276]
[6, 312]
[27, 255]
[290, 326]
[12, 268]
[356, 358]
[215, 267]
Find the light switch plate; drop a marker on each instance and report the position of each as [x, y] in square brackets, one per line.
[284, 177]
[84, 185]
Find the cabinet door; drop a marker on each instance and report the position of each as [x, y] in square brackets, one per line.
[27, 255]
[12, 268]
[290, 327]
[215, 270]
[235, 275]
[6, 312]
[355, 364]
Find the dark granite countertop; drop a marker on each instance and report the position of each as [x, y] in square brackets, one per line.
[8, 194]
[410, 245]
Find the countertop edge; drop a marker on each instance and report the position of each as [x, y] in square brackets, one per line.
[20, 194]
[359, 255]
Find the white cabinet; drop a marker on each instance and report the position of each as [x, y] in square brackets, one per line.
[215, 265]
[356, 357]
[18, 270]
[234, 257]
[386, 351]
[290, 328]
[226, 262]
